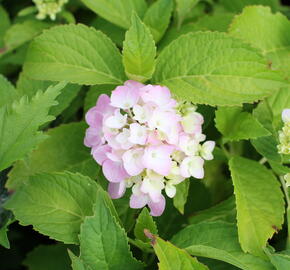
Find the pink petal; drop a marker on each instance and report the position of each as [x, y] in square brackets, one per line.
[94, 118]
[286, 115]
[100, 153]
[157, 208]
[103, 105]
[114, 171]
[138, 201]
[117, 190]
[93, 137]
[156, 94]
[133, 161]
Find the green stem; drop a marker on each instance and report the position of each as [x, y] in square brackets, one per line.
[263, 160]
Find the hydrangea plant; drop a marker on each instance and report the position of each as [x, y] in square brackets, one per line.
[141, 134]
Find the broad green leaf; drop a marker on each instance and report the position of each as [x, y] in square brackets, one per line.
[103, 234]
[7, 91]
[118, 12]
[236, 125]
[4, 25]
[62, 150]
[183, 8]
[173, 258]
[75, 53]
[20, 33]
[279, 260]
[139, 51]
[218, 240]
[180, 197]
[278, 168]
[269, 32]
[215, 22]
[238, 5]
[115, 33]
[224, 211]
[144, 222]
[49, 257]
[77, 263]
[19, 124]
[29, 87]
[4, 241]
[215, 69]
[258, 218]
[157, 17]
[55, 204]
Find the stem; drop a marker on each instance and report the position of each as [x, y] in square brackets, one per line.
[263, 160]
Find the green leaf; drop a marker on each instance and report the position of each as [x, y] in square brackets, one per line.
[279, 260]
[258, 219]
[218, 240]
[238, 5]
[19, 124]
[236, 125]
[59, 152]
[29, 87]
[4, 24]
[4, 241]
[118, 12]
[139, 51]
[75, 53]
[215, 69]
[77, 263]
[52, 257]
[56, 204]
[7, 91]
[224, 211]
[271, 33]
[157, 17]
[144, 221]
[180, 198]
[173, 258]
[103, 234]
[183, 8]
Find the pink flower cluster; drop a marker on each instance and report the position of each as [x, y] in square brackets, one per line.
[145, 140]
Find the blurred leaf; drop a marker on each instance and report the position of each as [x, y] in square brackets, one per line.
[224, 211]
[62, 150]
[7, 91]
[56, 204]
[238, 5]
[258, 218]
[4, 24]
[20, 124]
[183, 8]
[218, 240]
[52, 257]
[157, 17]
[75, 53]
[180, 198]
[139, 51]
[118, 12]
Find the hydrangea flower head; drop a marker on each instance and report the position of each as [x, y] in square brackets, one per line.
[284, 134]
[48, 8]
[145, 140]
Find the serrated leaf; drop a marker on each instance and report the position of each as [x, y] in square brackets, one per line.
[62, 150]
[237, 125]
[181, 195]
[218, 240]
[269, 32]
[19, 124]
[56, 204]
[215, 69]
[118, 12]
[7, 91]
[75, 53]
[183, 8]
[258, 219]
[77, 263]
[139, 51]
[157, 17]
[103, 234]
[224, 211]
[144, 221]
[48, 257]
[173, 258]
[238, 5]
[29, 87]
